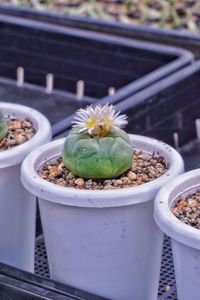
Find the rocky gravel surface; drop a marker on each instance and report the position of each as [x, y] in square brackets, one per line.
[19, 131]
[146, 167]
[187, 210]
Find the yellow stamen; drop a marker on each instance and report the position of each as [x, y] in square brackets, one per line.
[91, 123]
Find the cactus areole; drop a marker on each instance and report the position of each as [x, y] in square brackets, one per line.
[96, 147]
[3, 126]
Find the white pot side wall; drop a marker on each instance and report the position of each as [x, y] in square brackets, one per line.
[17, 221]
[113, 252]
[104, 242]
[17, 205]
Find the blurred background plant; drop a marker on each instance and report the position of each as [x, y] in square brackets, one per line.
[169, 14]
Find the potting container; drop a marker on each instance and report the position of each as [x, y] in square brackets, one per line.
[169, 111]
[177, 38]
[104, 242]
[185, 239]
[17, 206]
[85, 66]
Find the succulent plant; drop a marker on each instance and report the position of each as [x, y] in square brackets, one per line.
[96, 147]
[3, 126]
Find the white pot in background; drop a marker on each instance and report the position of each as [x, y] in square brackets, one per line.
[105, 242]
[185, 239]
[17, 206]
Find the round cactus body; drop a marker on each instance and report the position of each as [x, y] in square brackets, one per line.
[3, 126]
[98, 157]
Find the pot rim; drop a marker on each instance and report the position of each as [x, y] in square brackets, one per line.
[184, 184]
[97, 198]
[43, 133]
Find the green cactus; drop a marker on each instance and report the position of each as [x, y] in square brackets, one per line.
[3, 126]
[98, 157]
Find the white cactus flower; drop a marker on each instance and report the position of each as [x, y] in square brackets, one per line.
[98, 121]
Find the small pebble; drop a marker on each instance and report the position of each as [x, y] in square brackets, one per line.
[20, 139]
[70, 175]
[16, 125]
[118, 181]
[109, 187]
[79, 182]
[132, 175]
[10, 143]
[125, 179]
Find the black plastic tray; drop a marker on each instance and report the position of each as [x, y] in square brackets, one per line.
[166, 110]
[19, 285]
[187, 40]
[55, 105]
[101, 61]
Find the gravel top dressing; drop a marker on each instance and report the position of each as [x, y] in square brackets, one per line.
[146, 167]
[187, 210]
[19, 132]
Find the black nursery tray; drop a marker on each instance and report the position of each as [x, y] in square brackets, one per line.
[177, 38]
[54, 106]
[166, 110]
[19, 285]
[103, 63]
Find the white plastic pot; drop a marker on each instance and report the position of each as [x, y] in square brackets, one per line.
[104, 242]
[17, 205]
[185, 239]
